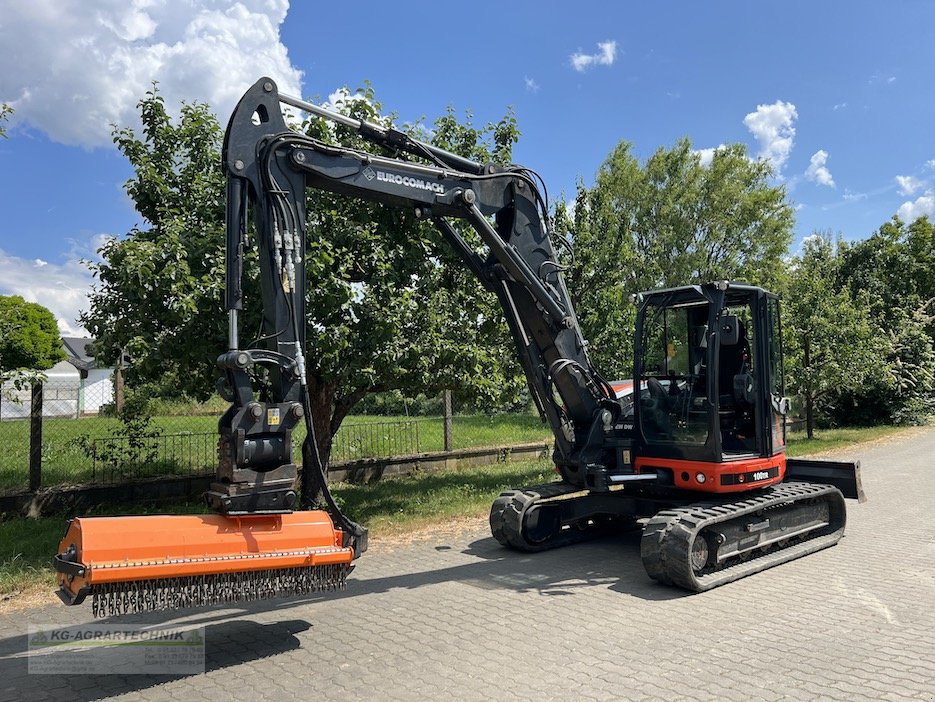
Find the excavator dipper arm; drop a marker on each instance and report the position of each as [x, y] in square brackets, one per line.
[271, 166]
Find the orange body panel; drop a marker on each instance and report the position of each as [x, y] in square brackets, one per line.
[120, 549]
[742, 474]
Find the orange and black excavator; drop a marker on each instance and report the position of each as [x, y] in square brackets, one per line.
[696, 448]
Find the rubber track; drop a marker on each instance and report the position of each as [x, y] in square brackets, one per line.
[668, 537]
[509, 511]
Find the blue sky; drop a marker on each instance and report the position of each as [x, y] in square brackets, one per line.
[836, 94]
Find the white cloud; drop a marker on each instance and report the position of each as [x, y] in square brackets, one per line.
[531, 85]
[817, 171]
[851, 196]
[343, 97]
[908, 185]
[930, 164]
[773, 126]
[924, 205]
[62, 288]
[839, 106]
[880, 77]
[605, 56]
[86, 66]
[706, 156]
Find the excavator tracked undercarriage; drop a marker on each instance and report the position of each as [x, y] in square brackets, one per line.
[691, 448]
[696, 546]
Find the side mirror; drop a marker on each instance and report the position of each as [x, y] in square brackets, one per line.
[781, 405]
[729, 330]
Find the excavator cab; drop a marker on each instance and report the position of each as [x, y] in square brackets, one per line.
[708, 359]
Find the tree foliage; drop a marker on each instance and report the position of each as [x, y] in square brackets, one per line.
[831, 344]
[159, 290]
[670, 221]
[895, 268]
[5, 112]
[391, 307]
[388, 304]
[29, 338]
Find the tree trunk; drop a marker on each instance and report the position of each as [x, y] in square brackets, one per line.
[809, 395]
[809, 416]
[321, 397]
[328, 410]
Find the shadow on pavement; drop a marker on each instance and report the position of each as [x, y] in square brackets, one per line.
[610, 562]
[226, 644]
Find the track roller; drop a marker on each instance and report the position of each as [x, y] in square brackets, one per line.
[556, 514]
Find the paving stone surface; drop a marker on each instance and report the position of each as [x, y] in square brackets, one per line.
[453, 615]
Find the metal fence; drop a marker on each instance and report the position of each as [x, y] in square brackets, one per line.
[77, 447]
[118, 459]
[376, 440]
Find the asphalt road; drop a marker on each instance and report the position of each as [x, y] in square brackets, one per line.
[453, 615]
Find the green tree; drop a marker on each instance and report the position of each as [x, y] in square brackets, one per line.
[831, 344]
[158, 289]
[895, 268]
[389, 305]
[670, 221]
[29, 339]
[5, 111]
[895, 265]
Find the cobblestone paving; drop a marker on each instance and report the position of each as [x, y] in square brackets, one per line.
[455, 616]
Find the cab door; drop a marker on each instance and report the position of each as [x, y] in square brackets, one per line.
[774, 403]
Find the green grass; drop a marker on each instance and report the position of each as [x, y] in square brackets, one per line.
[188, 444]
[402, 504]
[831, 439]
[387, 507]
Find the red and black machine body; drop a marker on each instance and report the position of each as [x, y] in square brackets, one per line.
[698, 450]
[711, 415]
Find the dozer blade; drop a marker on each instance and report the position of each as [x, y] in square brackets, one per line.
[705, 545]
[147, 563]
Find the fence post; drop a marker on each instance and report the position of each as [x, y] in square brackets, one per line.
[118, 383]
[35, 438]
[449, 440]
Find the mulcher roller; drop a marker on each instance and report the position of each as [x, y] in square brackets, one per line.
[146, 563]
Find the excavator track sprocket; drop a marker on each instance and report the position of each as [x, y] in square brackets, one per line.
[542, 517]
[707, 544]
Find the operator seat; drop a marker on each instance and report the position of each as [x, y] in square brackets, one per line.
[731, 360]
[735, 385]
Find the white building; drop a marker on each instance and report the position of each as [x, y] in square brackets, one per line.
[75, 386]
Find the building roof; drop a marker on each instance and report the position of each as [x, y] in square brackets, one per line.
[78, 353]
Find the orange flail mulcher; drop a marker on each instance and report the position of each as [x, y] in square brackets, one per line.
[142, 563]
